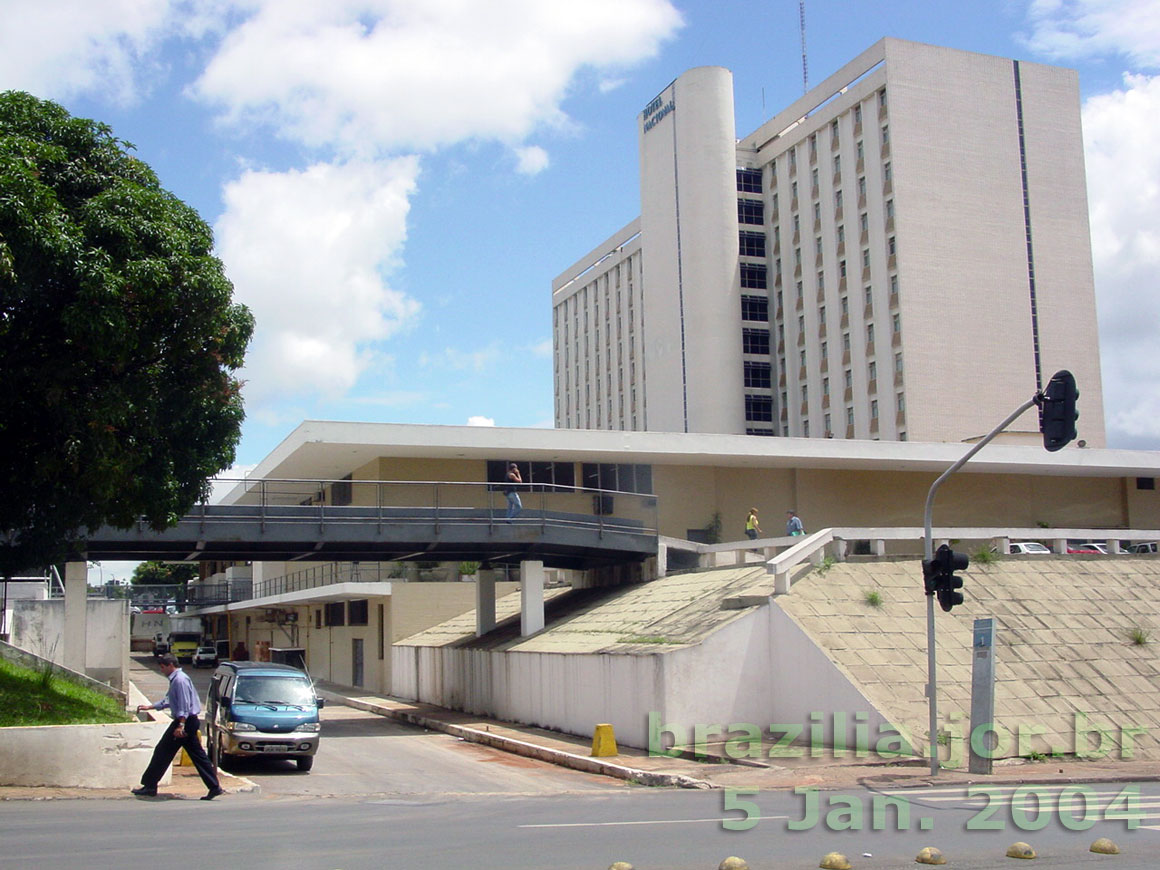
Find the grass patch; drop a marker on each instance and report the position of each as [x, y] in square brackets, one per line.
[1139, 636]
[873, 597]
[984, 556]
[36, 697]
[826, 564]
[647, 639]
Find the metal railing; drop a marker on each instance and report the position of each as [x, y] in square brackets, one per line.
[443, 503]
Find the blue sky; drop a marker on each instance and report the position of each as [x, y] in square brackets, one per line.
[394, 183]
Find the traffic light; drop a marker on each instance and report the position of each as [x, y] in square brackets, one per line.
[939, 576]
[1057, 414]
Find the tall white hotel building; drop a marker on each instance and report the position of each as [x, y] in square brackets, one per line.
[902, 254]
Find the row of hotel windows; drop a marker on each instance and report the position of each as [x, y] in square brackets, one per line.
[749, 180]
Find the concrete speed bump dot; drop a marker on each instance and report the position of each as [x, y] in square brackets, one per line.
[1020, 850]
[930, 855]
[835, 861]
[1104, 846]
[619, 865]
[604, 742]
[732, 863]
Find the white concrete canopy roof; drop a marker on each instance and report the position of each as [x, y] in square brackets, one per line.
[330, 450]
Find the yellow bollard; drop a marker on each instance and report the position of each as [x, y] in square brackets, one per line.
[603, 742]
[183, 759]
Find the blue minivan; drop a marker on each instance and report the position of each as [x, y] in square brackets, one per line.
[262, 709]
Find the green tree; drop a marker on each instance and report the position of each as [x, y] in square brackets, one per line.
[118, 339]
[163, 574]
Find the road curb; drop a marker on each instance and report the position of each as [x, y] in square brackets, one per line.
[559, 757]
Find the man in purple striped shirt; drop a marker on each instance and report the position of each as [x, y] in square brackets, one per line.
[183, 704]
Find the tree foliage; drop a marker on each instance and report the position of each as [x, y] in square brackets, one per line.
[118, 339]
[163, 573]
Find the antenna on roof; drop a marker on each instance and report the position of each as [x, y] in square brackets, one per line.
[802, 27]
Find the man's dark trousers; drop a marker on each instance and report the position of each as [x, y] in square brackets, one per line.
[167, 748]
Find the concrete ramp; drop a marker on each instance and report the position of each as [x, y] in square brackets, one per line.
[1072, 674]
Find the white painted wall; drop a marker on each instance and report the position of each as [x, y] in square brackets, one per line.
[760, 669]
[38, 627]
[79, 756]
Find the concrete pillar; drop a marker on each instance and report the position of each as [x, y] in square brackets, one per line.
[484, 601]
[531, 597]
[1003, 545]
[76, 603]
[878, 546]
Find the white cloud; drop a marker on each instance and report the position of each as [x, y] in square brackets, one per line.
[1090, 28]
[1123, 167]
[531, 160]
[58, 48]
[308, 251]
[542, 349]
[417, 74]
[480, 421]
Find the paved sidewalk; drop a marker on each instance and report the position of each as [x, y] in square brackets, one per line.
[719, 771]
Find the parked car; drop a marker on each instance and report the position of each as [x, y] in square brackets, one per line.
[1082, 548]
[1149, 547]
[1028, 548]
[262, 709]
[205, 657]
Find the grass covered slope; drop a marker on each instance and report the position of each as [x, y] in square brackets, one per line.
[30, 697]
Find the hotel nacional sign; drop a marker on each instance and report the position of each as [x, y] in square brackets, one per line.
[655, 111]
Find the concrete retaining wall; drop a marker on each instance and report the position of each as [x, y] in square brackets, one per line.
[38, 626]
[761, 669]
[79, 756]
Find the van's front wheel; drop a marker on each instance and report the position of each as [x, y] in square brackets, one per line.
[305, 762]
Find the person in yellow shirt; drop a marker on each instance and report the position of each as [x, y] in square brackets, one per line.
[752, 529]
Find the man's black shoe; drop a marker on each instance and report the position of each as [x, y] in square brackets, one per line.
[145, 791]
[213, 794]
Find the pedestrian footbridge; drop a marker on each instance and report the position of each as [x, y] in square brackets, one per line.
[381, 521]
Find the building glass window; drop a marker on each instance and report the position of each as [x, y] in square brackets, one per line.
[752, 244]
[758, 408]
[758, 375]
[848, 378]
[873, 409]
[885, 133]
[837, 163]
[887, 172]
[750, 211]
[896, 323]
[358, 611]
[753, 276]
[755, 308]
[749, 180]
[863, 222]
[755, 341]
[862, 186]
[837, 199]
[898, 362]
[890, 246]
[857, 114]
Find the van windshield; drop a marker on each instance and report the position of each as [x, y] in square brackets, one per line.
[290, 690]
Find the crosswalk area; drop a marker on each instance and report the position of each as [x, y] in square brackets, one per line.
[1031, 807]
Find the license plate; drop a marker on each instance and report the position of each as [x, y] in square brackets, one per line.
[275, 747]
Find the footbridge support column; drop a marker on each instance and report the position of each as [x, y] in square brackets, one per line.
[484, 601]
[76, 597]
[531, 597]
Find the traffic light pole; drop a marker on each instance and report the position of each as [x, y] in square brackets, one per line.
[928, 555]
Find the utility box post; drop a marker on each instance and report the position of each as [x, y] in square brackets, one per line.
[983, 737]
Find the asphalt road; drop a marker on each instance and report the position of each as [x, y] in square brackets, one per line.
[651, 828]
[364, 755]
